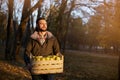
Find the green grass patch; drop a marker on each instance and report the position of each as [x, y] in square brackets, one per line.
[90, 66]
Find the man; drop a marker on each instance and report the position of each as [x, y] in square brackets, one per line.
[41, 43]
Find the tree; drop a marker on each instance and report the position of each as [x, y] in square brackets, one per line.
[9, 29]
[3, 26]
[76, 34]
[59, 19]
[92, 31]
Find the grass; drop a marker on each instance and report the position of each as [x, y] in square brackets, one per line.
[78, 66]
[90, 66]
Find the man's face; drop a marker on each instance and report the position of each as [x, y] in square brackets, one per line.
[42, 24]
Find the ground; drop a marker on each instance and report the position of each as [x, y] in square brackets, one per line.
[77, 66]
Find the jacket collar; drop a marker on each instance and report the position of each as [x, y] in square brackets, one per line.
[35, 35]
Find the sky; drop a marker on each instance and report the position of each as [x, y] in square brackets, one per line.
[84, 12]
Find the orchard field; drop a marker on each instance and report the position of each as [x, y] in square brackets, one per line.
[77, 66]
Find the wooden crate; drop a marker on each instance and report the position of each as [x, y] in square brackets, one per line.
[47, 66]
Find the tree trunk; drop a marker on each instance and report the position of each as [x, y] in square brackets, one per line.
[39, 12]
[9, 29]
[14, 40]
[60, 20]
[68, 21]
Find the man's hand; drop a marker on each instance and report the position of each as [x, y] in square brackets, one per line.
[59, 54]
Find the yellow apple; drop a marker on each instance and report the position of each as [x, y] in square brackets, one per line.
[57, 58]
[43, 59]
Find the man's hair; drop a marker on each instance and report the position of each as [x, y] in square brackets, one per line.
[41, 18]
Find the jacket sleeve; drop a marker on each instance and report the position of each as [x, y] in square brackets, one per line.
[56, 47]
[26, 59]
[27, 53]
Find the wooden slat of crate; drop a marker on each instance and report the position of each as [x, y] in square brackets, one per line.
[47, 62]
[47, 66]
[37, 71]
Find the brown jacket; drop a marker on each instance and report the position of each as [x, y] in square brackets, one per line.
[50, 46]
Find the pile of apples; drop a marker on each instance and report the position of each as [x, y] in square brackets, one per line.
[44, 58]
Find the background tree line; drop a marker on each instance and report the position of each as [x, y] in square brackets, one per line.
[84, 25]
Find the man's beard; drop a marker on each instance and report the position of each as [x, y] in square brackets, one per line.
[41, 30]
